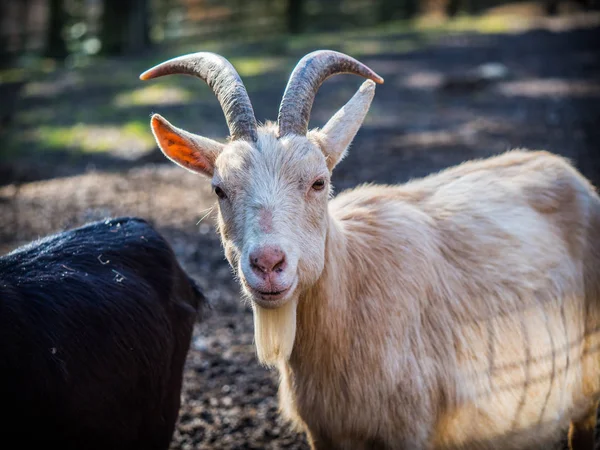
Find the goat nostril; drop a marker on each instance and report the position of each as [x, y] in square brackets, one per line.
[279, 266]
[256, 266]
[267, 260]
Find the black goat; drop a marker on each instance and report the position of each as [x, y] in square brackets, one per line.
[95, 326]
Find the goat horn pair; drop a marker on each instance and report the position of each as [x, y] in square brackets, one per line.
[294, 112]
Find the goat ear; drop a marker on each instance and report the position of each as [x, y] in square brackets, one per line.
[339, 131]
[194, 153]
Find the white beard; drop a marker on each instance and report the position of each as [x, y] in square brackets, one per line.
[274, 332]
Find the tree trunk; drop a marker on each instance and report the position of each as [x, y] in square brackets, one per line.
[388, 10]
[139, 26]
[295, 17]
[23, 8]
[56, 46]
[5, 55]
[436, 8]
[125, 26]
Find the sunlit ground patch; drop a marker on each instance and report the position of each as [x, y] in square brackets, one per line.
[363, 47]
[550, 87]
[54, 86]
[127, 141]
[249, 67]
[153, 94]
[482, 24]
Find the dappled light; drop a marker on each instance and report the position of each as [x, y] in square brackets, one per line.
[423, 80]
[250, 67]
[55, 87]
[153, 95]
[128, 141]
[537, 88]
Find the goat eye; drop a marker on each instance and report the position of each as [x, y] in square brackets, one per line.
[319, 184]
[220, 192]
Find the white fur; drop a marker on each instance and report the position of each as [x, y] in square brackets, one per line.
[274, 332]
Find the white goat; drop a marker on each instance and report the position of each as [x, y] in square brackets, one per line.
[458, 311]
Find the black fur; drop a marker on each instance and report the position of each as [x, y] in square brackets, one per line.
[95, 325]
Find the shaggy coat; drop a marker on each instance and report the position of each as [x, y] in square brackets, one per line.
[95, 325]
[458, 311]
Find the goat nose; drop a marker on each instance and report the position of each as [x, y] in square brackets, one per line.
[267, 259]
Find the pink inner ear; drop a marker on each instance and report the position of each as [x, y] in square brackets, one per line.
[178, 147]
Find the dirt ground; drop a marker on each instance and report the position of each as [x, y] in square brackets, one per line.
[431, 113]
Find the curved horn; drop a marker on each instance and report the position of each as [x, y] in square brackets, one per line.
[308, 75]
[226, 83]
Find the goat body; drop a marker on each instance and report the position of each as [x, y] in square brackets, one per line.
[95, 325]
[457, 311]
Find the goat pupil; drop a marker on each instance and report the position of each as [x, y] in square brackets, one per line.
[318, 185]
[219, 192]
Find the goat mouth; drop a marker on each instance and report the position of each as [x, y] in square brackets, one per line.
[269, 299]
[271, 295]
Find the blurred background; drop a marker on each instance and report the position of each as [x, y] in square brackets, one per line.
[463, 79]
